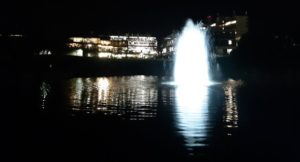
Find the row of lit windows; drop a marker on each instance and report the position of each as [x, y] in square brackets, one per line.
[77, 42]
[228, 23]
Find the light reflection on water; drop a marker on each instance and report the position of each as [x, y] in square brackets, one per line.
[231, 117]
[133, 98]
[45, 90]
[192, 114]
[141, 98]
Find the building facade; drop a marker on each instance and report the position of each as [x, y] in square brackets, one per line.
[168, 46]
[225, 33]
[114, 46]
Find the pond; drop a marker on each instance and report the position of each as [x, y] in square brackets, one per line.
[144, 118]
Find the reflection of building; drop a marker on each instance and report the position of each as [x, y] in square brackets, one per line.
[226, 32]
[114, 47]
[101, 96]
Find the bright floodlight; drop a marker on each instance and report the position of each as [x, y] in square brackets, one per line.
[192, 65]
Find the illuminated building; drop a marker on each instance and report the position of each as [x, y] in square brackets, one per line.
[226, 32]
[114, 46]
[79, 42]
[81, 46]
[168, 45]
[142, 46]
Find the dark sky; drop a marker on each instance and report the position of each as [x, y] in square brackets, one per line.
[156, 17]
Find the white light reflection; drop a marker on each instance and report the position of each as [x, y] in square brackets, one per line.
[76, 91]
[128, 98]
[103, 88]
[45, 90]
[192, 114]
[231, 117]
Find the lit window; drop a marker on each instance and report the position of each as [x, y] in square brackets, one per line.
[76, 39]
[230, 23]
[78, 52]
[230, 42]
[104, 54]
[229, 50]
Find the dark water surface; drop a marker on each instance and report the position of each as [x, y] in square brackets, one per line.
[142, 118]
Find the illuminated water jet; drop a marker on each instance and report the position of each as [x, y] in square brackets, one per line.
[192, 78]
[191, 56]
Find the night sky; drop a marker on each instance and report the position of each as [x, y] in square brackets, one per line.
[158, 18]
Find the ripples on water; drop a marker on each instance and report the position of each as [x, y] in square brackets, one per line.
[141, 98]
[133, 98]
[231, 116]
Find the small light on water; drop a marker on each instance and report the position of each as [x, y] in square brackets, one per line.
[231, 116]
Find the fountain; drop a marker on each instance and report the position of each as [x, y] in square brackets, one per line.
[192, 78]
[191, 56]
